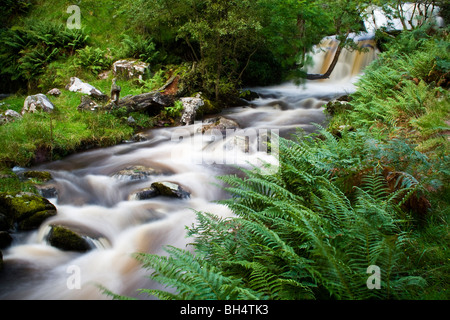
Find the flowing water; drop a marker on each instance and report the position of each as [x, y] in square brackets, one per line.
[91, 199]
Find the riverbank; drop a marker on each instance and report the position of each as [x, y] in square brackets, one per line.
[369, 190]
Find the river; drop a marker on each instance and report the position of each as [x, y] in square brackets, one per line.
[92, 199]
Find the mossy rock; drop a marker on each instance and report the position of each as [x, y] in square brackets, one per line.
[67, 240]
[26, 210]
[35, 220]
[144, 194]
[5, 222]
[170, 189]
[208, 108]
[43, 176]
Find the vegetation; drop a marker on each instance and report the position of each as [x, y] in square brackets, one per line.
[371, 189]
[372, 194]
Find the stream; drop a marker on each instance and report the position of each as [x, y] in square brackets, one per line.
[92, 199]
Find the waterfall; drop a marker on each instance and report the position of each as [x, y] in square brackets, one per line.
[92, 199]
[351, 63]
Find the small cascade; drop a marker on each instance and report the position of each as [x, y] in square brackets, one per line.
[351, 63]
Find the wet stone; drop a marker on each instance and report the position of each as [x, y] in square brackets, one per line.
[136, 173]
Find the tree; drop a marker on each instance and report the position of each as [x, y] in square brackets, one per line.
[347, 17]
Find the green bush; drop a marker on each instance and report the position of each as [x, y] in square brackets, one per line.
[27, 51]
[93, 59]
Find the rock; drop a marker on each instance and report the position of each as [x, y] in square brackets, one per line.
[5, 239]
[339, 105]
[1, 260]
[25, 210]
[220, 123]
[54, 92]
[38, 102]
[5, 224]
[144, 194]
[87, 104]
[131, 121]
[128, 69]
[190, 107]
[9, 116]
[136, 173]
[43, 176]
[151, 103]
[67, 240]
[170, 189]
[76, 85]
[139, 137]
[47, 191]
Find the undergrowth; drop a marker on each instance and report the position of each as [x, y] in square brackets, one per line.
[370, 190]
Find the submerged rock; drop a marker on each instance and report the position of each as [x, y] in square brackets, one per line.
[136, 173]
[67, 240]
[144, 194]
[170, 189]
[221, 124]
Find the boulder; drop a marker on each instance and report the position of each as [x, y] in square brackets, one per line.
[24, 210]
[43, 176]
[63, 238]
[54, 92]
[5, 239]
[220, 124]
[9, 116]
[144, 194]
[151, 103]
[136, 173]
[87, 104]
[190, 107]
[170, 189]
[339, 105]
[38, 102]
[128, 69]
[76, 85]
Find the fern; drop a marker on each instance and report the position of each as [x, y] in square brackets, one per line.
[296, 235]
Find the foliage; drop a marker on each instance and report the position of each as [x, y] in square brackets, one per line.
[139, 47]
[174, 111]
[296, 236]
[58, 134]
[27, 51]
[93, 59]
[338, 203]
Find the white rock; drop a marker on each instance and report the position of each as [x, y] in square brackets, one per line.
[9, 116]
[38, 102]
[190, 107]
[76, 85]
[130, 69]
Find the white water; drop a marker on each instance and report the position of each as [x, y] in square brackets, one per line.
[92, 200]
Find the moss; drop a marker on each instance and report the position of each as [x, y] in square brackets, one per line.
[36, 219]
[208, 108]
[67, 240]
[43, 176]
[26, 209]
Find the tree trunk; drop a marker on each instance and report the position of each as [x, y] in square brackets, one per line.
[327, 74]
